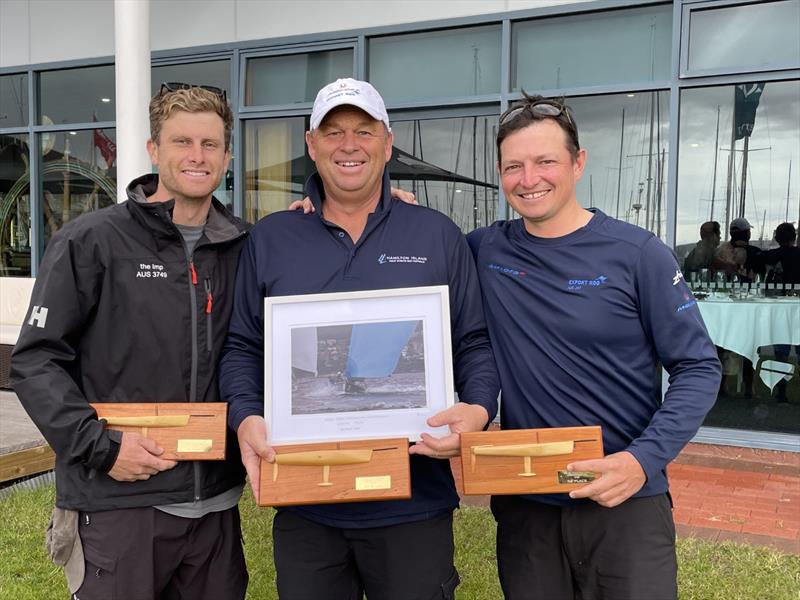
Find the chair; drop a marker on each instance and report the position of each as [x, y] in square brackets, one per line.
[779, 353]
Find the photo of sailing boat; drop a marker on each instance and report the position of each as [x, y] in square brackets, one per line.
[358, 367]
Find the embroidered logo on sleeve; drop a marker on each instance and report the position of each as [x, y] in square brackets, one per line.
[38, 316]
[677, 278]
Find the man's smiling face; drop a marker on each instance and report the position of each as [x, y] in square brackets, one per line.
[350, 150]
[538, 172]
[190, 156]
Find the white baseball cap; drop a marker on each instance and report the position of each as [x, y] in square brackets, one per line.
[739, 224]
[349, 92]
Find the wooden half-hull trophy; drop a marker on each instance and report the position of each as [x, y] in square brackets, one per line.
[527, 461]
[329, 472]
[185, 430]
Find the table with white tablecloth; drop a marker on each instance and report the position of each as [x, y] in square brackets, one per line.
[743, 326]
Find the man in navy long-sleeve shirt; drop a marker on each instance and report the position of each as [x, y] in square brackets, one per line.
[392, 549]
[581, 308]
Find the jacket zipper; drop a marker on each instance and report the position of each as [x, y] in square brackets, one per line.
[209, 306]
[193, 376]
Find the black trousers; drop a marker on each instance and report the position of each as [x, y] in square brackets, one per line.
[410, 561]
[586, 551]
[147, 554]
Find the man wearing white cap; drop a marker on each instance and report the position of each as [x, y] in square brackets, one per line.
[398, 549]
[738, 256]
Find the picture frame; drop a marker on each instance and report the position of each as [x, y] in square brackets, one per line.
[357, 365]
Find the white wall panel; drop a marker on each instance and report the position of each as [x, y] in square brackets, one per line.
[14, 35]
[65, 30]
[183, 23]
[35, 31]
[258, 19]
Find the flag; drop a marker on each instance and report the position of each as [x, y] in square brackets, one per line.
[746, 102]
[107, 147]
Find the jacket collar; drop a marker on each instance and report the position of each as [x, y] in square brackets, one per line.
[221, 225]
[316, 192]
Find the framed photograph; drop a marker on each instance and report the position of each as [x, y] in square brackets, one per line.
[356, 365]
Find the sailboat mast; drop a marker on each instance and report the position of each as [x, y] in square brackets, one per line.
[647, 221]
[729, 189]
[788, 188]
[714, 177]
[619, 169]
[743, 191]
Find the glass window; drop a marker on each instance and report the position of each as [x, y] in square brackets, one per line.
[626, 140]
[438, 64]
[276, 165]
[592, 49]
[294, 78]
[15, 214]
[216, 73]
[77, 95]
[78, 175]
[450, 165]
[756, 36]
[14, 100]
[754, 266]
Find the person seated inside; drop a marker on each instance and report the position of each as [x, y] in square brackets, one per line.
[737, 257]
[784, 261]
[702, 255]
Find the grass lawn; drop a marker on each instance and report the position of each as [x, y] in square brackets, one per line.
[708, 571]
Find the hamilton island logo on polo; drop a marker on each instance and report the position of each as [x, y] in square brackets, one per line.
[579, 284]
[506, 270]
[384, 259]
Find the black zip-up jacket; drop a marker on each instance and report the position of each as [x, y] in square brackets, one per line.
[121, 313]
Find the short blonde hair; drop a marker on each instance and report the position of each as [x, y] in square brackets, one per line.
[191, 100]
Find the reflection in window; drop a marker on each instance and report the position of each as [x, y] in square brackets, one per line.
[78, 175]
[758, 181]
[276, 165]
[77, 95]
[15, 219]
[593, 49]
[216, 73]
[294, 78]
[450, 165]
[626, 139]
[457, 63]
[14, 100]
[758, 35]
[759, 185]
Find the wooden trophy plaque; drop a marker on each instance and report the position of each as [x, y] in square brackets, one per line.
[185, 430]
[329, 472]
[527, 461]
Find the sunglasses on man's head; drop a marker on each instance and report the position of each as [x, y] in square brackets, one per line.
[174, 86]
[543, 108]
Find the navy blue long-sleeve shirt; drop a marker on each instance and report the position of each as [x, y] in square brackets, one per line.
[292, 253]
[578, 324]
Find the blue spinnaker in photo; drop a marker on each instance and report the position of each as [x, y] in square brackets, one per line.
[375, 348]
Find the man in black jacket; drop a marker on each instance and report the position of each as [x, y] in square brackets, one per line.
[131, 304]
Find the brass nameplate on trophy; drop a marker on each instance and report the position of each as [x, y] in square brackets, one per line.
[381, 482]
[195, 445]
[186, 430]
[329, 472]
[527, 461]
